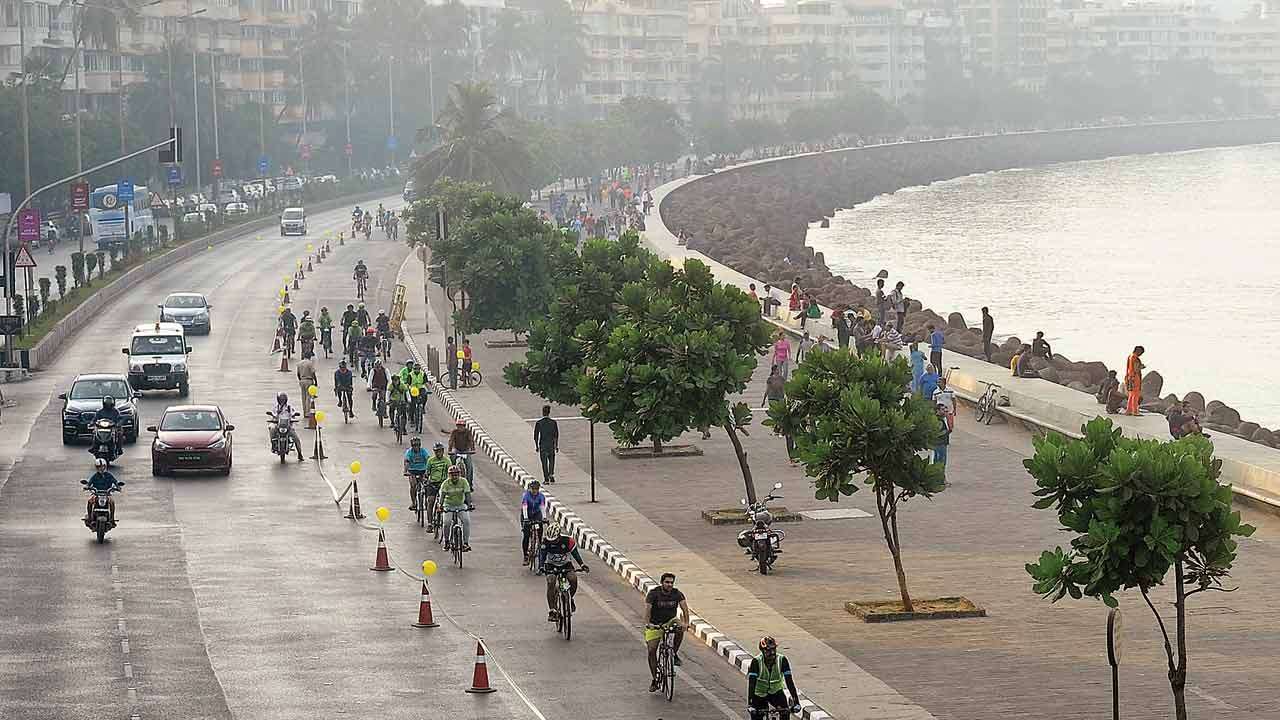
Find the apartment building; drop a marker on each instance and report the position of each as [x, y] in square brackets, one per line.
[1148, 34]
[1248, 52]
[1008, 38]
[635, 47]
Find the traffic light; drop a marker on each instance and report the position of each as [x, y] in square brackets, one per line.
[172, 152]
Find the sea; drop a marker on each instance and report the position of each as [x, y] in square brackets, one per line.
[1177, 252]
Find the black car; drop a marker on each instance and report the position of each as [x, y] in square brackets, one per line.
[84, 400]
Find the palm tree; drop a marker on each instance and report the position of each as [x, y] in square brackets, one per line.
[764, 71]
[321, 48]
[476, 144]
[97, 25]
[814, 64]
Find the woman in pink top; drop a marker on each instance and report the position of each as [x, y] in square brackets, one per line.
[782, 355]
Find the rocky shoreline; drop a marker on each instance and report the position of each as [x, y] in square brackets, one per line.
[755, 219]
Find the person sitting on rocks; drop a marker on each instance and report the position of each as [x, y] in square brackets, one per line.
[1022, 365]
[1110, 394]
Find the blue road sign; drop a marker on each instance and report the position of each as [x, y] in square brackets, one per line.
[264, 163]
[175, 176]
[124, 190]
[391, 142]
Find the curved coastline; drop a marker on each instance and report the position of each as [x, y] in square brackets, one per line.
[755, 217]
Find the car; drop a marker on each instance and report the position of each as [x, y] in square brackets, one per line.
[209, 209]
[291, 184]
[158, 358]
[192, 217]
[228, 195]
[191, 437]
[293, 220]
[410, 191]
[188, 309]
[236, 208]
[84, 400]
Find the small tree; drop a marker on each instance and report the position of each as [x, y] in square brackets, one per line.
[116, 252]
[77, 268]
[1138, 508]
[46, 286]
[18, 305]
[60, 273]
[851, 414]
[33, 307]
[91, 261]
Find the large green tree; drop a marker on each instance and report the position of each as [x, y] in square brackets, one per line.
[1137, 509]
[853, 423]
[477, 143]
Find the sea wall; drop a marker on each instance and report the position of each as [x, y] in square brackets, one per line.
[754, 217]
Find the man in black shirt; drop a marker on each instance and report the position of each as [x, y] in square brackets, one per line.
[663, 601]
[546, 440]
[1040, 347]
[988, 329]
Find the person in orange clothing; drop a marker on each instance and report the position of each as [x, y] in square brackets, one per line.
[1133, 380]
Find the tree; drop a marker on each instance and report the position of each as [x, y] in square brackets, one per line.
[60, 274]
[680, 345]
[510, 42]
[477, 145]
[815, 65]
[1137, 508]
[849, 415]
[652, 128]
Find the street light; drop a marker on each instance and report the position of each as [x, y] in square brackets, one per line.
[213, 85]
[195, 90]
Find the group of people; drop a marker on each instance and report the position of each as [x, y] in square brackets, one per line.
[365, 220]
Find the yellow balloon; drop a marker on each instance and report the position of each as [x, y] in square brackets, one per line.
[382, 514]
[310, 247]
[414, 391]
[429, 567]
[282, 292]
[313, 391]
[259, 237]
[475, 365]
[286, 281]
[208, 247]
[355, 467]
[281, 311]
[460, 355]
[320, 416]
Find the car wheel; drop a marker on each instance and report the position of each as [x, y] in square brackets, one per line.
[66, 440]
[131, 437]
[183, 389]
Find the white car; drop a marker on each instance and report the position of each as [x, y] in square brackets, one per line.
[209, 209]
[236, 208]
[193, 217]
[293, 221]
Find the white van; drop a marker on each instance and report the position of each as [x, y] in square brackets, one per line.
[158, 358]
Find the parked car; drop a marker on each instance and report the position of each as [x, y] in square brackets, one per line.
[84, 400]
[193, 217]
[236, 208]
[228, 195]
[410, 191]
[191, 437]
[209, 209]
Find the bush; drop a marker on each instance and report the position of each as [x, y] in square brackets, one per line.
[77, 268]
[60, 272]
[45, 285]
[91, 261]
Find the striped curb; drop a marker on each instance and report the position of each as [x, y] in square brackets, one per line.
[721, 644]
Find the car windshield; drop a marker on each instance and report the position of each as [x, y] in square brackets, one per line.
[95, 389]
[191, 420]
[292, 214]
[184, 301]
[156, 345]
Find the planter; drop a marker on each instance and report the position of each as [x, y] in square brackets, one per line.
[736, 516]
[646, 452]
[506, 343]
[946, 608]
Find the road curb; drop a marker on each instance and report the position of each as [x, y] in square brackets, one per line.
[731, 651]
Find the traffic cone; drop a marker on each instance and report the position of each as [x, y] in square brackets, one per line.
[284, 362]
[295, 283]
[311, 420]
[353, 508]
[308, 263]
[381, 562]
[424, 610]
[276, 346]
[480, 676]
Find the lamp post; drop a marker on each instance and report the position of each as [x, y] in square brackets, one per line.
[26, 113]
[302, 85]
[346, 90]
[195, 91]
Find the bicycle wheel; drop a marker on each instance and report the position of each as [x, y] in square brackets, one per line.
[535, 541]
[566, 614]
[456, 541]
[668, 668]
[991, 409]
[473, 379]
[981, 410]
[421, 500]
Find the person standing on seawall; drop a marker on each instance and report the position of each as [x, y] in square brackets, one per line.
[1133, 380]
[936, 341]
[899, 303]
[882, 303]
[988, 329]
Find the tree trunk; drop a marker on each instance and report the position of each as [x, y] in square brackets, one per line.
[887, 504]
[742, 462]
[657, 446]
[1178, 675]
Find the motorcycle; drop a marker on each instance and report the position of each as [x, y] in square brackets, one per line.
[281, 433]
[105, 443]
[101, 518]
[761, 541]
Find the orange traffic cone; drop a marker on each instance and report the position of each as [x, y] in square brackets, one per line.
[295, 282]
[284, 362]
[276, 346]
[381, 562]
[308, 263]
[480, 677]
[424, 610]
[353, 510]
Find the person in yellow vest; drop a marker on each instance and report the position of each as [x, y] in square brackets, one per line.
[767, 676]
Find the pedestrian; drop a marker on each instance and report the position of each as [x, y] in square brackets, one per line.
[882, 302]
[948, 424]
[988, 329]
[451, 361]
[1109, 393]
[1133, 380]
[806, 344]
[546, 440]
[917, 367]
[307, 378]
[929, 382]
[898, 301]
[782, 354]
[840, 321]
[936, 341]
[945, 396]
[466, 361]
[795, 303]
[751, 290]
[766, 301]
[775, 302]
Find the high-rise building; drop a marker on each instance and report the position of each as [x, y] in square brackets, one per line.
[1008, 39]
[635, 47]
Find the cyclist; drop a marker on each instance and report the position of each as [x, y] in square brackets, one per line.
[325, 323]
[397, 399]
[413, 376]
[553, 558]
[306, 330]
[378, 383]
[383, 325]
[368, 227]
[663, 601]
[348, 316]
[766, 676]
[381, 214]
[437, 472]
[289, 323]
[533, 509]
[368, 354]
[351, 342]
[361, 273]
[342, 385]
[362, 316]
[355, 219]
[456, 493]
[461, 444]
[416, 463]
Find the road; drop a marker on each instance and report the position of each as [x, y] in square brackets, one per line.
[249, 596]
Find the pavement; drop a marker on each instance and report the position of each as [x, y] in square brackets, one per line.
[249, 596]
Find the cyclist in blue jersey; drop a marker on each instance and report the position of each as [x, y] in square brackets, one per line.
[533, 509]
[415, 464]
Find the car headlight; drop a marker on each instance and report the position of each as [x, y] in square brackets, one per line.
[162, 446]
[179, 366]
[218, 444]
[135, 367]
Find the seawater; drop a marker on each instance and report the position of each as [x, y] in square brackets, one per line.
[1179, 253]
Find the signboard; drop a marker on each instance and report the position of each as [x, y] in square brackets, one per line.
[305, 151]
[80, 196]
[391, 142]
[124, 191]
[10, 324]
[347, 150]
[24, 259]
[217, 168]
[29, 226]
[264, 164]
[175, 176]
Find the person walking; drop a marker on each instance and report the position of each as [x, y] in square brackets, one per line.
[546, 440]
[988, 329]
[307, 378]
[782, 354]
[775, 388]
[948, 424]
[917, 367]
[766, 301]
[1133, 380]
[451, 362]
[840, 321]
[936, 340]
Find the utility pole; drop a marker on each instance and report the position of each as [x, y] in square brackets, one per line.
[346, 89]
[262, 90]
[391, 111]
[213, 87]
[302, 82]
[120, 94]
[195, 92]
[26, 112]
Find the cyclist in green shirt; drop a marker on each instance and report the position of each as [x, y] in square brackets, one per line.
[767, 676]
[398, 398]
[325, 323]
[455, 493]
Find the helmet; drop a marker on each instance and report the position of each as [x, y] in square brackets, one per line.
[282, 398]
[350, 306]
[438, 446]
[768, 643]
[535, 484]
[370, 332]
[108, 402]
[382, 313]
[100, 464]
[342, 363]
[416, 442]
[306, 313]
[377, 363]
[455, 470]
[324, 309]
[555, 529]
[410, 363]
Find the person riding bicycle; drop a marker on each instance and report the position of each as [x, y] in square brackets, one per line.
[437, 472]
[325, 323]
[101, 480]
[554, 558]
[369, 353]
[288, 323]
[356, 216]
[362, 316]
[397, 399]
[663, 602]
[361, 272]
[461, 444]
[378, 383]
[343, 383]
[466, 362]
[351, 341]
[348, 316]
[416, 463]
[533, 509]
[766, 677]
[413, 376]
[383, 324]
[306, 329]
[455, 492]
[381, 214]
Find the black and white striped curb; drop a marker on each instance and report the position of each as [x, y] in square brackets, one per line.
[731, 651]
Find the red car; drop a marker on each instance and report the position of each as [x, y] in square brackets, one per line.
[191, 437]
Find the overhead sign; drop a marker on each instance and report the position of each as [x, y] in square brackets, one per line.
[28, 227]
[217, 168]
[24, 259]
[347, 150]
[175, 176]
[391, 142]
[264, 163]
[124, 190]
[80, 196]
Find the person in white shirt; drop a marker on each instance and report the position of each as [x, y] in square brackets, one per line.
[945, 396]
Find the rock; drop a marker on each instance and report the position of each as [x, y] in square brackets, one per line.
[1097, 371]
[1001, 358]
[1050, 374]
[1038, 363]
[826, 222]
[1223, 414]
[956, 320]
[1011, 344]
[1247, 429]
[1152, 384]
[1265, 437]
[1170, 399]
[1075, 385]
[1195, 400]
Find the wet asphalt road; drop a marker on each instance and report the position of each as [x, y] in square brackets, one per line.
[249, 596]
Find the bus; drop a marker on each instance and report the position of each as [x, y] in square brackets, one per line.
[107, 215]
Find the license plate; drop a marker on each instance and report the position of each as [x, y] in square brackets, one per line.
[157, 378]
[762, 536]
[189, 458]
[185, 321]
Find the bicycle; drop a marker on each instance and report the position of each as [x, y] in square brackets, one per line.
[326, 342]
[419, 496]
[385, 347]
[666, 657]
[415, 412]
[436, 520]
[471, 379]
[344, 401]
[535, 542]
[772, 713]
[308, 346]
[380, 406]
[453, 541]
[987, 403]
[564, 601]
[362, 287]
[398, 420]
[463, 461]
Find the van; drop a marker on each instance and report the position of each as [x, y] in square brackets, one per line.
[157, 355]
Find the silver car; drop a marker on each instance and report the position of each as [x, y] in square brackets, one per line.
[188, 309]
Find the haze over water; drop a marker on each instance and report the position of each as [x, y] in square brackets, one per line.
[1179, 253]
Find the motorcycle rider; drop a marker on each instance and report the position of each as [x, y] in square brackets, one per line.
[325, 323]
[355, 218]
[104, 481]
[437, 472]
[111, 413]
[342, 385]
[416, 463]
[766, 676]
[533, 509]
[554, 555]
[663, 601]
[362, 315]
[306, 329]
[283, 406]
